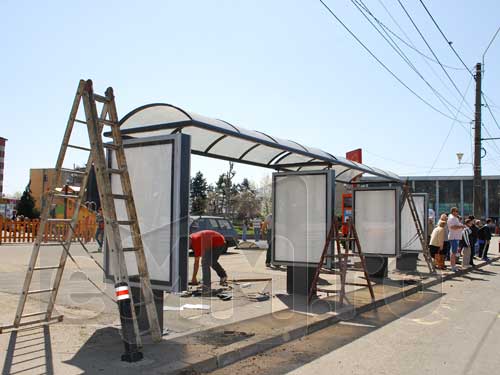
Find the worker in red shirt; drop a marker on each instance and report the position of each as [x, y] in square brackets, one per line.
[209, 245]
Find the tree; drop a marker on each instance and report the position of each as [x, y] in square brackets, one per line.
[265, 195]
[26, 205]
[246, 202]
[198, 194]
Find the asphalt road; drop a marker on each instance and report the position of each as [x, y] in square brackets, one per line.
[453, 329]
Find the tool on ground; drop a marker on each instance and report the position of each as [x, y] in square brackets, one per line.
[352, 248]
[95, 123]
[407, 196]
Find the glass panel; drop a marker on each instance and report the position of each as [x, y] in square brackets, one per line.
[262, 154]
[224, 224]
[231, 146]
[494, 198]
[468, 197]
[428, 187]
[200, 138]
[449, 195]
[159, 114]
[213, 223]
[294, 158]
[212, 121]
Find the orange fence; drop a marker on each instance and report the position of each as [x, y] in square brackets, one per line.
[13, 231]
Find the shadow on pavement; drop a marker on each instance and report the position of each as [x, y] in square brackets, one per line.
[29, 351]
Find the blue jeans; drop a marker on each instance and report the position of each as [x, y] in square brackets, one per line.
[99, 236]
[454, 246]
[257, 234]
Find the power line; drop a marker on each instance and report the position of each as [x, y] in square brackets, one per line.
[412, 46]
[430, 48]
[381, 63]
[450, 44]
[449, 133]
[360, 5]
[489, 110]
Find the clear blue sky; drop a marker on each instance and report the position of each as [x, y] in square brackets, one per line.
[285, 67]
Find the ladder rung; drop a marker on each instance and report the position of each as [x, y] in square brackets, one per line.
[100, 98]
[356, 284]
[327, 290]
[125, 249]
[111, 146]
[79, 147]
[55, 220]
[72, 171]
[120, 196]
[66, 195]
[60, 243]
[107, 122]
[54, 319]
[140, 304]
[80, 121]
[116, 171]
[40, 291]
[34, 314]
[125, 222]
[46, 268]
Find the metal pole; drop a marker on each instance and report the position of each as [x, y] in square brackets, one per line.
[477, 186]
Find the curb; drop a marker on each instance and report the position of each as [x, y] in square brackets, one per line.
[236, 354]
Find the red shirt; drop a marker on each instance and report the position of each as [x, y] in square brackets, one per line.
[206, 239]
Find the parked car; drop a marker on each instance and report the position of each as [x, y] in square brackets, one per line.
[215, 223]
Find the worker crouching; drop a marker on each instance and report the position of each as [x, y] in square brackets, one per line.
[209, 245]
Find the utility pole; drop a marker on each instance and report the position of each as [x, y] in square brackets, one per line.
[477, 186]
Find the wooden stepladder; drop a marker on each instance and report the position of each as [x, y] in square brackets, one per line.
[345, 248]
[95, 123]
[408, 197]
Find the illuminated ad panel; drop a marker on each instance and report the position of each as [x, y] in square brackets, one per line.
[303, 209]
[376, 218]
[159, 169]
[409, 238]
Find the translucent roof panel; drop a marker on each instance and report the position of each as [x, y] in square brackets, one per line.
[221, 139]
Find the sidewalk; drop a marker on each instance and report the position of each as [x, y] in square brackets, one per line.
[89, 341]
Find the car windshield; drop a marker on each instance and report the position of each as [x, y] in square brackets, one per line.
[213, 223]
[224, 224]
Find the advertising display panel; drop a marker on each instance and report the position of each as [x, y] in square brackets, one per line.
[303, 209]
[376, 216]
[159, 169]
[410, 243]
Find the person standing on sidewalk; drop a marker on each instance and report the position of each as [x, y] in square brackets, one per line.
[436, 244]
[267, 228]
[454, 236]
[256, 228]
[473, 238]
[466, 250]
[485, 235]
[99, 233]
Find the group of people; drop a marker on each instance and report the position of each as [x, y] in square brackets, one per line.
[453, 237]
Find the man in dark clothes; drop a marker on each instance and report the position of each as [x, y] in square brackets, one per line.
[484, 235]
[473, 238]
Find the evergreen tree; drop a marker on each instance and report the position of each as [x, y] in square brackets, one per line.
[198, 194]
[26, 205]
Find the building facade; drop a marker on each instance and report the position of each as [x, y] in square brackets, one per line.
[456, 191]
[2, 163]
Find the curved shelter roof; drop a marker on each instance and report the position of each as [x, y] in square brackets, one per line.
[220, 139]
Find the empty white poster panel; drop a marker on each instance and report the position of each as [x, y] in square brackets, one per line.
[302, 203]
[409, 239]
[159, 175]
[376, 217]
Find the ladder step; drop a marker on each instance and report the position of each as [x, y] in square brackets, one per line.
[40, 291]
[46, 268]
[125, 222]
[72, 171]
[115, 171]
[55, 220]
[79, 147]
[125, 249]
[107, 122]
[61, 195]
[44, 244]
[356, 284]
[80, 121]
[120, 196]
[43, 321]
[327, 290]
[100, 98]
[111, 146]
[34, 314]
